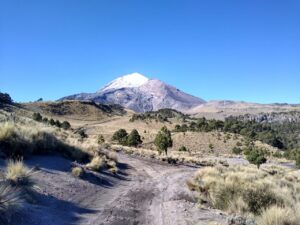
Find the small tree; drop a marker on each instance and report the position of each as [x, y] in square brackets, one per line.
[5, 98]
[57, 123]
[256, 157]
[100, 139]
[163, 140]
[120, 136]
[65, 125]
[134, 138]
[52, 122]
[37, 117]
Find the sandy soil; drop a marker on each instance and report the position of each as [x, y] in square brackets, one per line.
[145, 192]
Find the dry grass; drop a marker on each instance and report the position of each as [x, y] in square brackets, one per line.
[77, 172]
[19, 175]
[248, 191]
[10, 201]
[279, 216]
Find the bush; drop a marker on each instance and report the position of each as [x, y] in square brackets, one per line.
[65, 125]
[256, 157]
[37, 117]
[77, 172]
[52, 122]
[10, 201]
[100, 139]
[120, 136]
[183, 149]
[97, 164]
[5, 98]
[20, 176]
[134, 138]
[82, 134]
[237, 150]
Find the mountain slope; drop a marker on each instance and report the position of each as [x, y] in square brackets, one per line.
[136, 92]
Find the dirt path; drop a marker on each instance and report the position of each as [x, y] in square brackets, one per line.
[146, 193]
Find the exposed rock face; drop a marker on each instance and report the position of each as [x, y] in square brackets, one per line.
[141, 94]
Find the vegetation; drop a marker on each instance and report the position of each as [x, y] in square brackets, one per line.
[163, 140]
[237, 150]
[162, 115]
[39, 118]
[283, 135]
[134, 138]
[77, 172]
[100, 139]
[248, 191]
[20, 176]
[82, 134]
[256, 157]
[18, 140]
[120, 136]
[5, 98]
[10, 201]
[183, 149]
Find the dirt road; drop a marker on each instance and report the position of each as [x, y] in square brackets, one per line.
[145, 192]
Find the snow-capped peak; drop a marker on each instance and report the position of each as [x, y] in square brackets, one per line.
[126, 81]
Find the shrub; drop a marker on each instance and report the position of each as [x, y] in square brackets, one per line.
[134, 138]
[120, 136]
[237, 150]
[163, 140]
[37, 117]
[65, 125]
[77, 172]
[5, 98]
[100, 139]
[57, 123]
[20, 176]
[256, 157]
[182, 149]
[52, 122]
[97, 164]
[82, 134]
[10, 201]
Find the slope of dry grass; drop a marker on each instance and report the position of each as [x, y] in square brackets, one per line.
[269, 194]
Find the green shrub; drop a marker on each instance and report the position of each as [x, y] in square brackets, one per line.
[52, 122]
[5, 98]
[37, 117]
[100, 139]
[65, 125]
[237, 150]
[134, 138]
[120, 136]
[183, 149]
[82, 134]
[256, 157]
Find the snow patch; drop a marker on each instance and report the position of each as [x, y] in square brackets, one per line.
[127, 81]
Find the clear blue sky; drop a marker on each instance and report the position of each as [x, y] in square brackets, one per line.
[215, 49]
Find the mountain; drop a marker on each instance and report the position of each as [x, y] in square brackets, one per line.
[141, 94]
